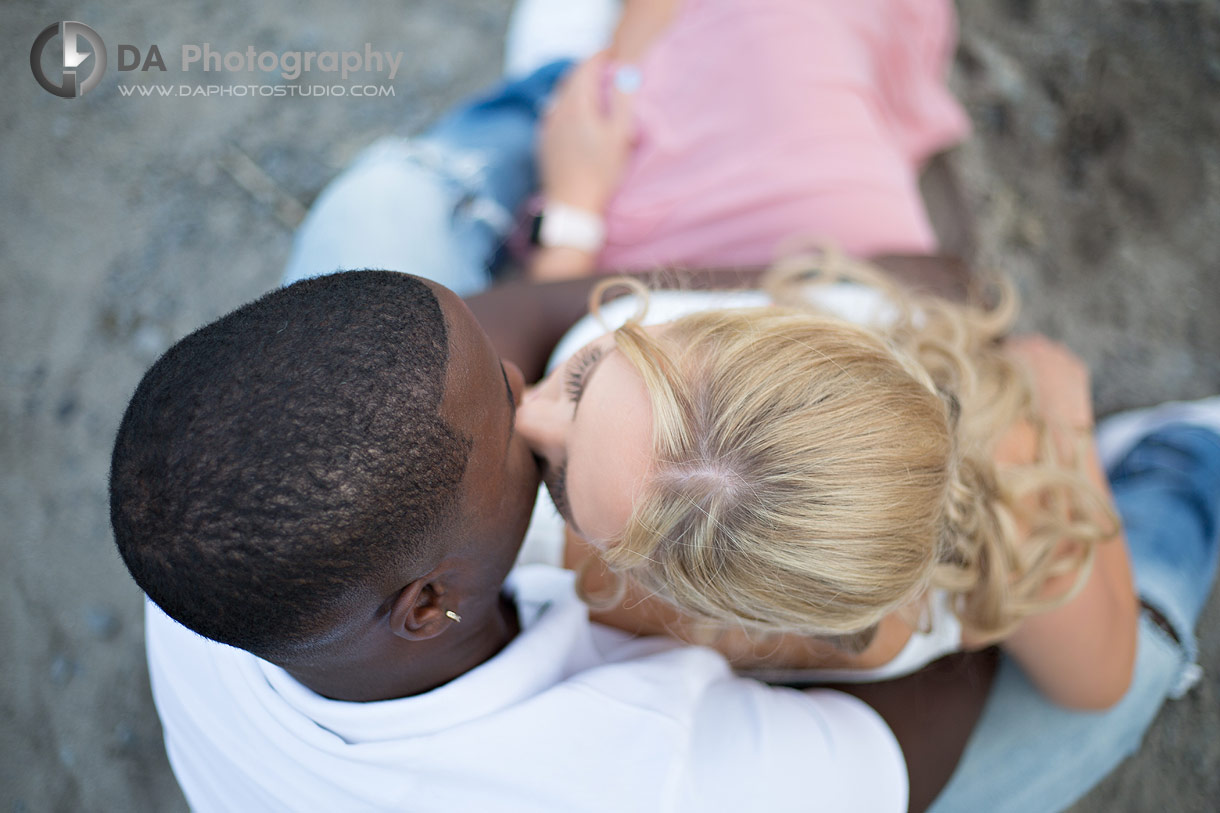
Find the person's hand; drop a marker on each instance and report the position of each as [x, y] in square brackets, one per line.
[584, 144]
[1060, 380]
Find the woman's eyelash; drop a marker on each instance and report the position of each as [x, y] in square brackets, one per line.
[574, 381]
[557, 488]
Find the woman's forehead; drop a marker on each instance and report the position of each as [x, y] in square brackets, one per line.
[609, 448]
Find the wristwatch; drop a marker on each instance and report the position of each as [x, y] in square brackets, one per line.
[560, 225]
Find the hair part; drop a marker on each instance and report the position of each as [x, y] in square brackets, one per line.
[271, 465]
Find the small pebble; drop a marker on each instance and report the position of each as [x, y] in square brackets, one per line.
[149, 341]
[62, 670]
[124, 735]
[102, 623]
[67, 408]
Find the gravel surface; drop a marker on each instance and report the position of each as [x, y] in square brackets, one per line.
[1093, 179]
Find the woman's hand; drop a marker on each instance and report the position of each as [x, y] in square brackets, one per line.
[584, 143]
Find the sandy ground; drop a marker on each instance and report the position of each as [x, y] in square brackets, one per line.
[1094, 178]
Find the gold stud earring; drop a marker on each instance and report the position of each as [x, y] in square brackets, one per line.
[451, 614]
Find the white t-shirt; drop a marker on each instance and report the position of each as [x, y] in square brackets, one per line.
[941, 631]
[570, 716]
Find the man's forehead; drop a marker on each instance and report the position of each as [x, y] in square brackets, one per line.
[472, 403]
[469, 347]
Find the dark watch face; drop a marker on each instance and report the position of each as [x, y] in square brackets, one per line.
[536, 230]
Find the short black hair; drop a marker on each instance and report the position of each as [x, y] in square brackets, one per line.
[273, 462]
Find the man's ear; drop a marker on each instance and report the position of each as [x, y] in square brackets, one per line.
[418, 612]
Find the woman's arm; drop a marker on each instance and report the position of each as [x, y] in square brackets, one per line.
[587, 134]
[582, 149]
[1082, 654]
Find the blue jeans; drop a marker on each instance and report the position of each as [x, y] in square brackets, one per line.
[1029, 755]
[438, 206]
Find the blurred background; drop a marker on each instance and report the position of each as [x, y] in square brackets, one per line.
[1093, 178]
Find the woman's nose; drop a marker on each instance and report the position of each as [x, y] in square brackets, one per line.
[541, 421]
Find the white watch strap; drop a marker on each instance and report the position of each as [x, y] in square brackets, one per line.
[570, 227]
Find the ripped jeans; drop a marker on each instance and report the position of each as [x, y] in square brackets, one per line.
[440, 205]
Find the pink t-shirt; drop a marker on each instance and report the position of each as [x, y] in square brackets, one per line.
[769, 125]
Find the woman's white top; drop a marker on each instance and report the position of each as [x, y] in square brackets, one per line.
[544, 541]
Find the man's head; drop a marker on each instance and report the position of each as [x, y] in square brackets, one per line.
[335, 460]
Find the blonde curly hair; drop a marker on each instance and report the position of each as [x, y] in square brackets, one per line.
[811, 475]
